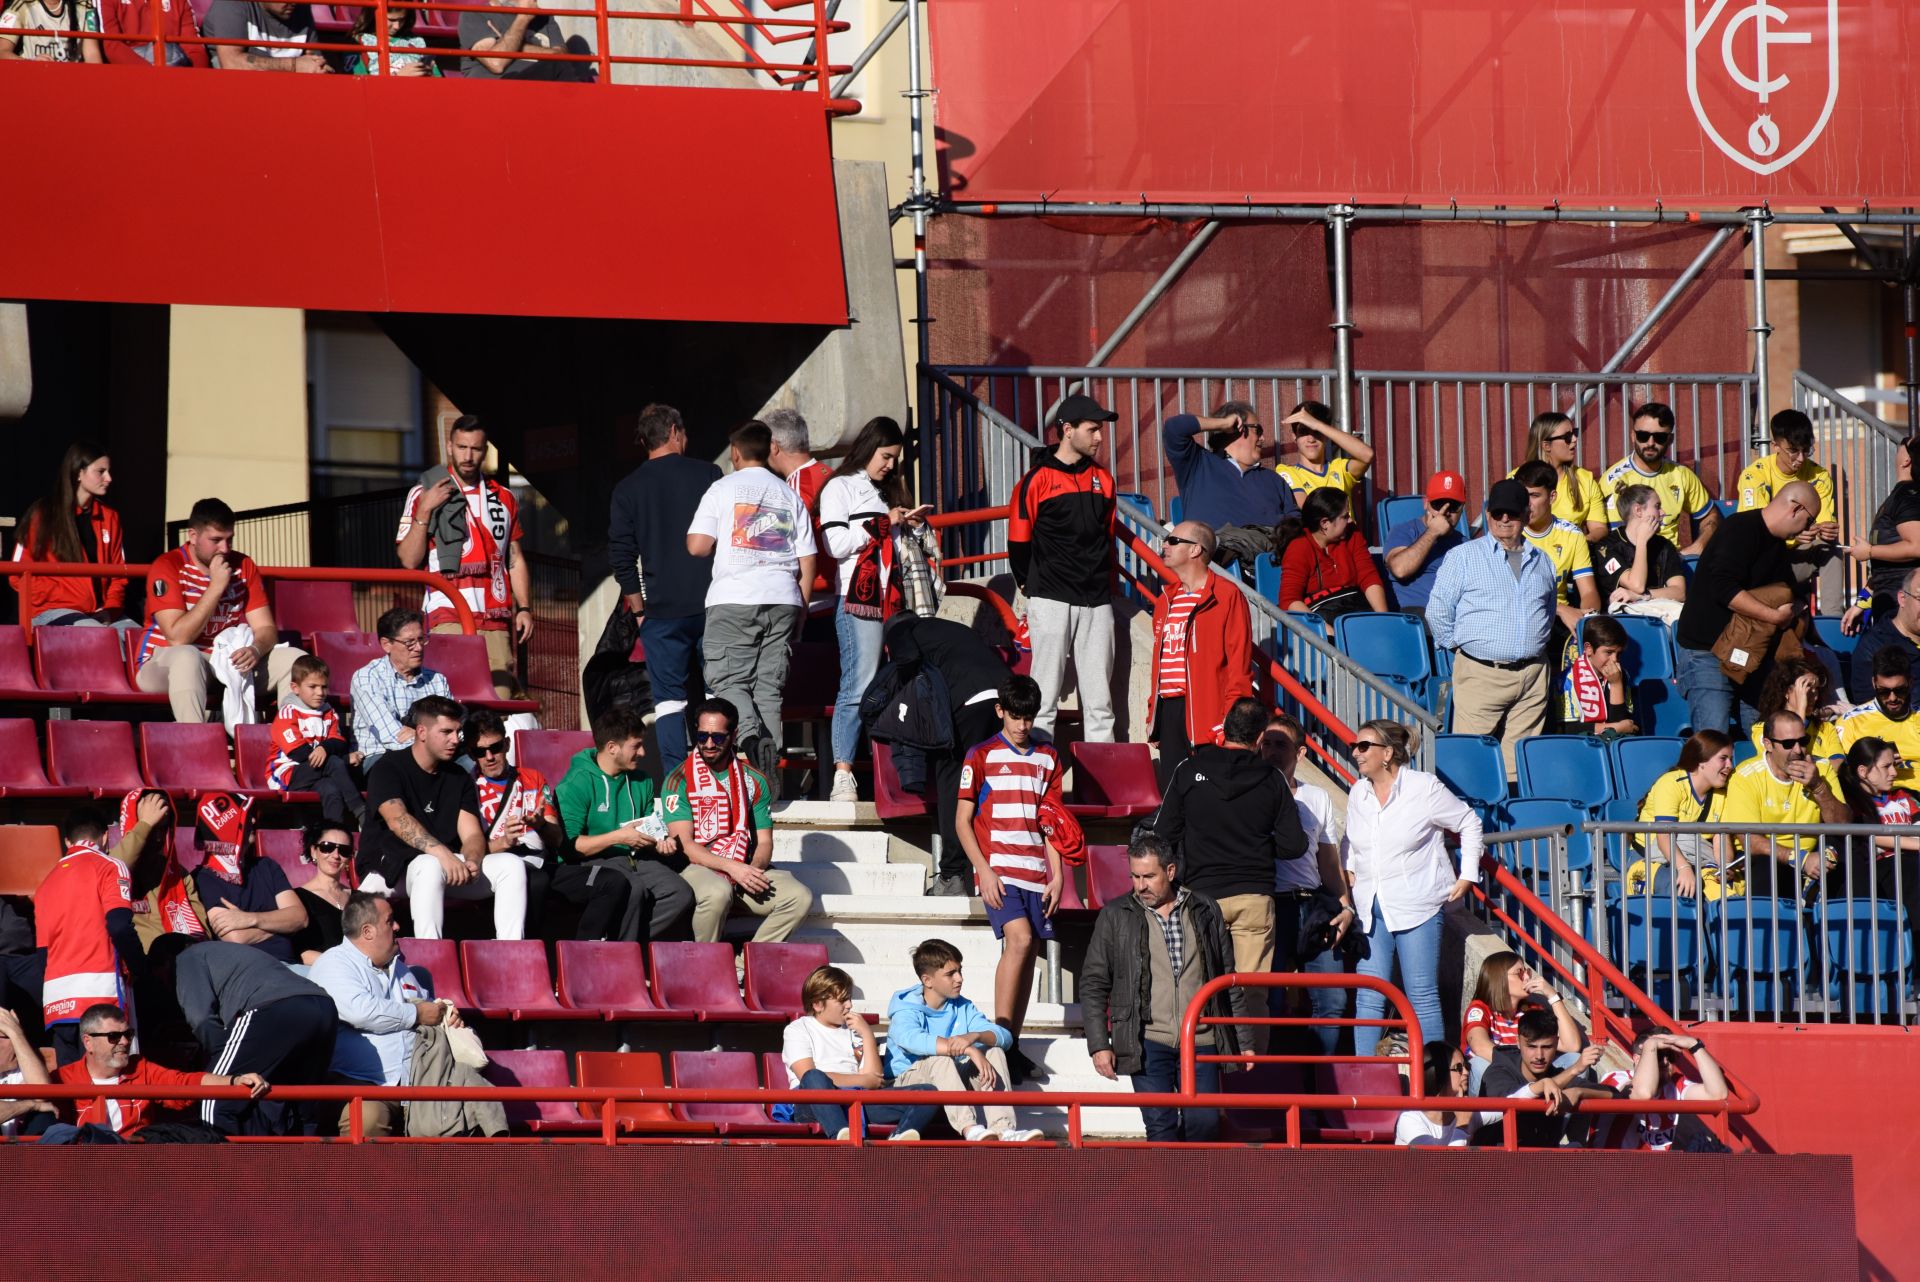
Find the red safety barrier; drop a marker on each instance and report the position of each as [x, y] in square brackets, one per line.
[302, 573]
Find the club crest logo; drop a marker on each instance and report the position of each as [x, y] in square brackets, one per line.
[1763, 76]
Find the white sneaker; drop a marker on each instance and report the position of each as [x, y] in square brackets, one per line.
[903, 1135]
[844, 787]
[1018, 1137]
[977, 1132]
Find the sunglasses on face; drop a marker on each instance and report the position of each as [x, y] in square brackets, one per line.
[1892, 692]
[1447, 507]
[1366, 745]
[1501, 514]
[1801, 742]
[1568, 435]
[497, 748]
[114, 1035]
[1653, 438]
[1174, 541]
[712, 736]
[333, 847]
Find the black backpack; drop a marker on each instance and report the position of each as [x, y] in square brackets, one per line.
[907, 704]
[611, 678]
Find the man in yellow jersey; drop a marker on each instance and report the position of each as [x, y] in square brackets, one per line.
[1792, 460]
[1679, 489]
[1784, 785]
[1313, 430]
[1889, 716]
[1563, 542]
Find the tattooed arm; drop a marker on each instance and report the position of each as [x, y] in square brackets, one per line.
[401, 823]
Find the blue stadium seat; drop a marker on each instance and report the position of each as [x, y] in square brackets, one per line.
[1266, 578]
[1396, 508]
[1750, 942]
[1389, 645]
[1656, 941]
[1661, 709]
[1826, 628]
[1727, 507]
[1865, 949]
[1176, 510]
[1619, 810]
[1744, 750]
[1533, 860]
[1473, 767]
[1640, 759]
[1649, 653]
[1574, 767]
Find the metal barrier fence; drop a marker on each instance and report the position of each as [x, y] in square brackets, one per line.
[1839, 949]
[1861, 450]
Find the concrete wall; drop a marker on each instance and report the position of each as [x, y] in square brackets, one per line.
[16, 366]
[236, 407]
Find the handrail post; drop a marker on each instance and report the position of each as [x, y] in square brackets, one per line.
[357, 1126]
[820, 59]
[159, 37]
[601, 33]
[380, 24]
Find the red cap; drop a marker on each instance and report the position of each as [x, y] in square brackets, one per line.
[1447, 485]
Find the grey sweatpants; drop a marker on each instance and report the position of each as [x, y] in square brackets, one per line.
[746, 648]
[1083, 633]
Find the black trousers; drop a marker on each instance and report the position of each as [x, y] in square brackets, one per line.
[973, 724]
[598, 889]
[1170, 732]
[288, 1042]
[340, 800]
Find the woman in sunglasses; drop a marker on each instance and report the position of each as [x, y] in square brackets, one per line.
[1552, 438]
[1446, 1075]
[1403, 877]
[329, 848]
[1867, 785]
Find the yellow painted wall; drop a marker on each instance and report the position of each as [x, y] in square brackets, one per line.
[236, 407]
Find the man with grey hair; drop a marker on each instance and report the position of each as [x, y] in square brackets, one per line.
[1636, 564]
[791, 459]
[1166, 941]
[1202, 652]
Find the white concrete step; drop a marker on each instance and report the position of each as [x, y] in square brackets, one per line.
[892, 944]
[839, 846]
[893, 908]
[865, 880]
[804, 812]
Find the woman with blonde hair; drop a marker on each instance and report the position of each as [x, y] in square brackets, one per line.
[1552, 438]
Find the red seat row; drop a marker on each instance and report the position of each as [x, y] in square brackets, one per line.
[510, 979]
[693, 1070]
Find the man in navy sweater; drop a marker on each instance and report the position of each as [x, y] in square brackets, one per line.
[661, 581]
[1222, 480]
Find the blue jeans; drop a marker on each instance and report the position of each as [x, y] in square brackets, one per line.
[833, 1119]
[859, 660]
[1419, 953]
[1711, 697]
[1327, 1003]
[673, 653]
[1162, 1075]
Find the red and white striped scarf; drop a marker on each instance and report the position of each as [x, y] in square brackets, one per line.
[170, 899]
[722, 816]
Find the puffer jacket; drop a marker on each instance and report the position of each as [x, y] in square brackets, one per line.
[1114, 980]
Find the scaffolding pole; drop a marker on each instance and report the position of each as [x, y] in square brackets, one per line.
[919, 203]
[1339, 229]
[1249, 211]
[1671, 297]
[866, 55]
[1759, 431]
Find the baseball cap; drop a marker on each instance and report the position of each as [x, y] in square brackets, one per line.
[1507, 496]
[1081, 408]
[1447, 485]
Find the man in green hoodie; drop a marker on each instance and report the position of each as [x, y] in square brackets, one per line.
[606, 808]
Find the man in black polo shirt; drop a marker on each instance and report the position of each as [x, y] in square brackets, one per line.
[1748, 552]
[423, 830]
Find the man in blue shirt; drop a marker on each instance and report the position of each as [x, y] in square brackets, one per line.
[1493, 605]
[1222, 480]
[1415, 548]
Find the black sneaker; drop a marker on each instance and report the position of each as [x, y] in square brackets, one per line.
[1024, 1069]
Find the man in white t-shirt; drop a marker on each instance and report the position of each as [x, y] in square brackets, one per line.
[832, 1049]
[760, 537]
[1297, 881]
[20, 1064]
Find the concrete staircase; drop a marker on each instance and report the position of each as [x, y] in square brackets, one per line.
[871, 910]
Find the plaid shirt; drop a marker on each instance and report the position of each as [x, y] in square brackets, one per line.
[1169, 924]
[381, 698]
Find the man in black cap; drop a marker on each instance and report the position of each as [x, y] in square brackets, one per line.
[1060, 543]
[1493, 606]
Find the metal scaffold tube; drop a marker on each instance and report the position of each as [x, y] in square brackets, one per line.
[1409, 214]
[1757, 220]
[1339, 229]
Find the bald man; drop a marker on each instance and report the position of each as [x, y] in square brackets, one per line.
[1749, 552]
[1202, 651]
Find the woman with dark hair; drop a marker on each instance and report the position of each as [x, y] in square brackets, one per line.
[1802, 686]
[1444, 1077]
[864, 506]
[74, 524]
[329, 848]
[1324, 563]
[1691, 793]
[1869, 871]
[1553, 439]
[1892, 548]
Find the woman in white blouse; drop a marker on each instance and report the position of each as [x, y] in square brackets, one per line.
[1446, 1078]
[1403, 877]
[862, 505]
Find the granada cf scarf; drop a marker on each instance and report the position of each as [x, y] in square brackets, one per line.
[722, 819]
[170, 900]
[220, 826]
[1586, 692]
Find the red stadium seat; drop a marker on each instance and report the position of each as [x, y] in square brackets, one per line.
[536, 1068]
[17, 683]
[21, 774]
[438, 962]
[699, 979]
[549, 751]
[1113, 781]
[88, 660]
[890, 800]
[285, 847]
[303, 609]
[633, 1068]
[1107, 875]
[1364, 1125]
[95, 755]
[345, 653]
[721, 1071]
[775, 974]
[186, 758]
[28, 853]
[775, 1067]
[509, 979]
[253, 753]
[463, 661]
[606, 977]
[1071, 900]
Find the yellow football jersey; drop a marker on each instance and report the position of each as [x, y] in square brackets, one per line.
[1679, 490]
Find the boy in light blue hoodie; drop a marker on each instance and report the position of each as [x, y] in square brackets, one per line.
[937, 1037]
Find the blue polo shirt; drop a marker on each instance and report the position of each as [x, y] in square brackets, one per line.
[1413, 593]
[1213, 489]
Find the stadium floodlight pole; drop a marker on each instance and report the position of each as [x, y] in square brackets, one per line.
[1339, 229]
[1757, 220]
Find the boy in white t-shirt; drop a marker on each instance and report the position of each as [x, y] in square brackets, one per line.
[760, 536]
[832, 1049]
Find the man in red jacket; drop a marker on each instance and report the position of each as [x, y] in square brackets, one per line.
[1202, 648]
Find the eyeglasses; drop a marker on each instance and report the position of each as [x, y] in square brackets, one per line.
[1801, 742]
[1366, 745]
[1502, 514]
[1456, 1067]
[114, 1035]
[1174, 541]
[1653, 438]
[1447, 507]
[333, 847]
[1892, 692]
[409, 643]
[495, 749]
[1568, 435]
[712, 736]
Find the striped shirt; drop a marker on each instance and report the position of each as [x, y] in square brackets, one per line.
[296, 729]
[1480, 609]
[1007, 786]
[176, 581]
[1173, 645]
[381, 697]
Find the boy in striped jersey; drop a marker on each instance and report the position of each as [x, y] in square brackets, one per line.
[997, 818]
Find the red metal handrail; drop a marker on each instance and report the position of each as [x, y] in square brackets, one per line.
[1195, 1016]
[297, 573]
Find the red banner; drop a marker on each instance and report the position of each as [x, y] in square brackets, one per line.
[1523, 102]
